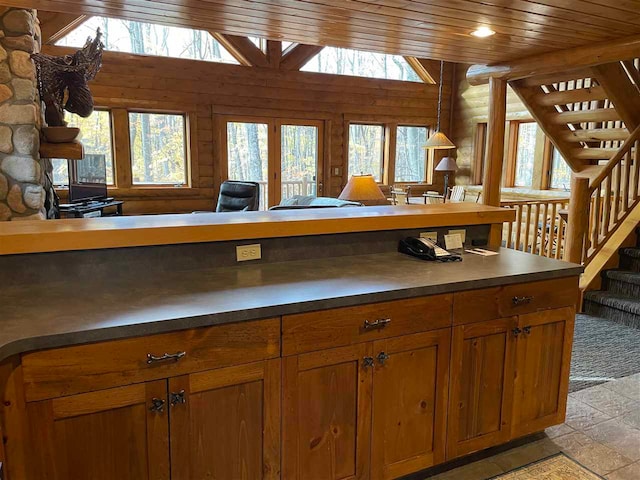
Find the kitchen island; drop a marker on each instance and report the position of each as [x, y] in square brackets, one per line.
[333, 357]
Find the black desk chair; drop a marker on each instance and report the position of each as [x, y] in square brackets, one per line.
[238, 196]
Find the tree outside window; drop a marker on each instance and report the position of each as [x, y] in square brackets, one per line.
[411, 156]
[525, 154]
[366, 150]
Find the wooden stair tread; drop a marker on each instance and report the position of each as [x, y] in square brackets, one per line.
[584, 116]
[594, 153]
[568, 97]
[597, 134]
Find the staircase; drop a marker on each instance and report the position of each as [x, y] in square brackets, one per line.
[619, 299]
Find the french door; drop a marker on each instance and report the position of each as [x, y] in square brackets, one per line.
[283, 155]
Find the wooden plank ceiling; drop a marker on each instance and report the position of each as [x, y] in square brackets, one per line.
[437, 29]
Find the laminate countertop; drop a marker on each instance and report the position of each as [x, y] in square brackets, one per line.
[69, 313]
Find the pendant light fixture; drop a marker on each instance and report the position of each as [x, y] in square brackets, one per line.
[439, 141]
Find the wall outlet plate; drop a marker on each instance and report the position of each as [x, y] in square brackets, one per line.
[461, 232]
[248, 252]
[430, 235]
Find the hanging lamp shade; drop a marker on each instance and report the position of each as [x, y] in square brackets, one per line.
[439, 141]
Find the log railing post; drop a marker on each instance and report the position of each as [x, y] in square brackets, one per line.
[578, 219]
[495, 145]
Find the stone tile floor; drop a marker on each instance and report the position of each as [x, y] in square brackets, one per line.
[602, 432]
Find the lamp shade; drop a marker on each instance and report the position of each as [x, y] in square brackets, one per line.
[447, 164]
[439, 141]
[363, 189]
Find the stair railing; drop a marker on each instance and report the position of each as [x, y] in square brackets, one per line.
[598, 206]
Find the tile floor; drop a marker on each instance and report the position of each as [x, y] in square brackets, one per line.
[602, 432]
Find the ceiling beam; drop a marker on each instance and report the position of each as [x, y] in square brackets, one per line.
[55, 26]
[622, 92]
[242, 49]
[274, 53]
[298, 56]
[558, 61]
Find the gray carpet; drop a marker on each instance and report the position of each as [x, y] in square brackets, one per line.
[602, 351]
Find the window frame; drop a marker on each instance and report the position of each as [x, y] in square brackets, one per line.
[429, 156]
[187, 168]
[512, 154]
[479, 153]
[385, 150]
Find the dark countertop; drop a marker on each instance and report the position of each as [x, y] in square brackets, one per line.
[56, 314]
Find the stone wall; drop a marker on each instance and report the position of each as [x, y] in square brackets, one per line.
[22, 196]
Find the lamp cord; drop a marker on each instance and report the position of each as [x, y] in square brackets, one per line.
[440, 94]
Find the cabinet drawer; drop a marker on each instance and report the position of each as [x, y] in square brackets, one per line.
[506, 301]
[84, 368]
[307, 332]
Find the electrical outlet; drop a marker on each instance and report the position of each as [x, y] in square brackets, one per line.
[461, 232]
[430, 235]
[248, 252]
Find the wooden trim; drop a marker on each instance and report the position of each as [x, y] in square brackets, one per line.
[54, 26]
[390, 148]
[559, 61]
[296, 57]
[512, 153]
[100, 233]
[547, 164]
[479, 153]
[121, 148]
[242, 49]
[423, 70]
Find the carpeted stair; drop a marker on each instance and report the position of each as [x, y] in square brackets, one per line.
[619, 299]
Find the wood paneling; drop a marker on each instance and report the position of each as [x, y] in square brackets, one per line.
[430, 29]
[206, 89]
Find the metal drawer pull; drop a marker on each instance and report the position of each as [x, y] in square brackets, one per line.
[527, 330]
[380, 323]
[521, 300]
[382, 358]
[167, 356]
[157, 405]
[367, 362]
[176, 398]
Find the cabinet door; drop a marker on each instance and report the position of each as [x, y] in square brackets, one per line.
[102, 435]
[410, 391]
[327, 414]
[542, 370]
[481, 386]
[225, 423]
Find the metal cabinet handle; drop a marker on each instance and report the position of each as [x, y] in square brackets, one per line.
[157, 405]
[516, 331]
[167, 356]
[521, 300]
[176, 398]
[367, 362]
[382, 358]
[380, 323]
[527, 330]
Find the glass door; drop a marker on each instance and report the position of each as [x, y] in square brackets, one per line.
[300, 154]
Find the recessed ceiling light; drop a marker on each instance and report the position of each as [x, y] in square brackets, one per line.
[483, 32]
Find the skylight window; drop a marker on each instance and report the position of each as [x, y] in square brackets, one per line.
[150, 39]
[343, 61]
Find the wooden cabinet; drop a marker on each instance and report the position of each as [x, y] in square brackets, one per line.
[225, 423]
[387, 397]
[542, 365]
[101, 435]
[481, 385]
[510, 378]
[410, 385]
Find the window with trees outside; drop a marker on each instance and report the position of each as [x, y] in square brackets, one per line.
[366, 150]
[525, 154]
[411, 156]
[560, 173]
[150, 39]
[158, 149]
[343, 61]
[95, 136]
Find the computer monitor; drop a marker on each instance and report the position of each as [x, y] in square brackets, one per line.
[88, 179]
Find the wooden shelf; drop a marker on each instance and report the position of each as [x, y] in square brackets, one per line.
[70, 151]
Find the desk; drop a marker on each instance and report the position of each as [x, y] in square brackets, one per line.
[91, 209]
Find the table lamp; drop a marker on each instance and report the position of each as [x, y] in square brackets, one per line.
[446, 165]
[363, 189]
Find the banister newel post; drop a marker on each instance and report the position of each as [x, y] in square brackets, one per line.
[578, 219]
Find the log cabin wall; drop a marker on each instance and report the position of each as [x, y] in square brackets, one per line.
[206, 91]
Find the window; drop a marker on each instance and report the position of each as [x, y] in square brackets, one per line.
[158, 149]
[560, 173]
[525, 135]
[150, 39]
[366, 150]
[95, 135]
[342, 61]
[411, 156]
